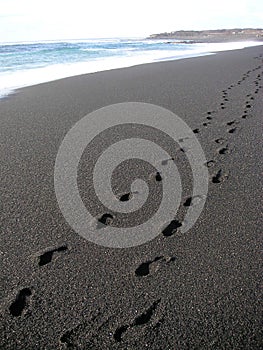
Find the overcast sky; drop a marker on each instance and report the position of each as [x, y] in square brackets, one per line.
[32, 20]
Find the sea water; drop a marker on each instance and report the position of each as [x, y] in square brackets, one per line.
[30, 63]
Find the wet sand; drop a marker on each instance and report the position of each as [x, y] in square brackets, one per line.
[198, 290]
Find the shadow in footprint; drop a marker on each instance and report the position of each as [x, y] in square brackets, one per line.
[20, 303]
[158, 177]
[140, 320]
[188, 202]
[146, 316]
[219, 177]
[144, 268]
[223, 150]
[125, 197]
[231, 131]
[119, 332]
[191, 201]
[231, 123]
[171, 228]
[104, 220]
[46, 257]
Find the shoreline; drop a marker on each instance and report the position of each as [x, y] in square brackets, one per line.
[102, 65]
[198, 288]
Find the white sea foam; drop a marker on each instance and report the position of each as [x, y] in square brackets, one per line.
[10, 81]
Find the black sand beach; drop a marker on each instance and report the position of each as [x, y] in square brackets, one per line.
[198, 290]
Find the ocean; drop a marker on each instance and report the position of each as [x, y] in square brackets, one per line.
[30, 63]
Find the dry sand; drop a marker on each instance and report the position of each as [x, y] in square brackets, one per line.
[198, 290]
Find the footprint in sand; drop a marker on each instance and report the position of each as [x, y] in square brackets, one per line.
[206, 124]
[47, 256]
[210, 163]
[142, 319]
[21, 302]
[231, 122]
[219, 177]
[171, 228]
[105, 219]
[223, 150]
[150, 266]
[220, 140]
[232, 131]
[125, 197]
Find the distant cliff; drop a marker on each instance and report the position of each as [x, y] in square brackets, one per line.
[220, 35]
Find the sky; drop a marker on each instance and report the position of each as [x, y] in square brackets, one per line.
[31, 20]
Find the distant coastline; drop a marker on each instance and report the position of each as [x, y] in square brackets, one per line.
[211, 36]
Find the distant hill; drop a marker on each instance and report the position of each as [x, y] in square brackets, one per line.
[218, 35]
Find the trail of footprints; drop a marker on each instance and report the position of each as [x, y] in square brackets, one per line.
[71, 339]
[231, 128]
[232, 125]
[22, 300]
[149, 267]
